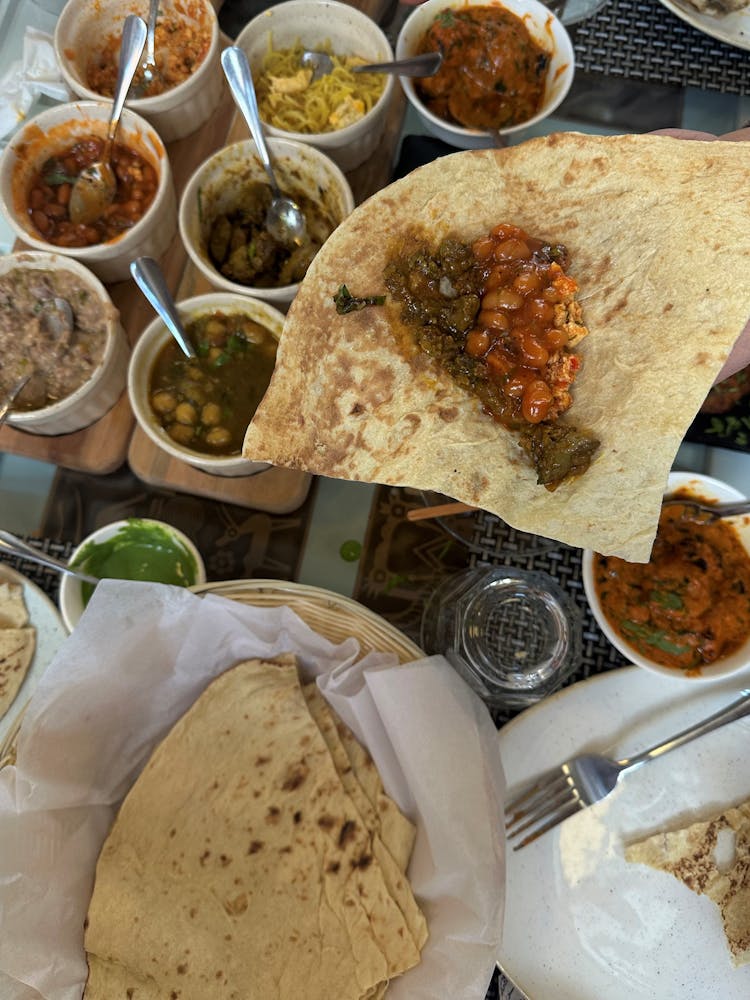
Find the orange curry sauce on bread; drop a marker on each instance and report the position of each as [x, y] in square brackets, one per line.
[690, 604]
[501, 318]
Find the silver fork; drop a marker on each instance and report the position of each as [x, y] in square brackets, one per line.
[579, 782]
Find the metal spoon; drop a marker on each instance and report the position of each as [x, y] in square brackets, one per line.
[10, 543]
[284, 219]
[709, 511]
[57, 317]
[96, 185]
[149, 69]
[426, 64]
[148, 276]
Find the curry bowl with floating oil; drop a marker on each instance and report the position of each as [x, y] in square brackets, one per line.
[685, 613]
[506, 66]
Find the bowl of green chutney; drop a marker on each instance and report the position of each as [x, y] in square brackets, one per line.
[141, 549]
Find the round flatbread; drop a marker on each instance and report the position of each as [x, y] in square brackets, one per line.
[240, 866]
[658, 235]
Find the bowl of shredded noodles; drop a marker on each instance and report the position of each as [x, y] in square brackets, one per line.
[343, 113]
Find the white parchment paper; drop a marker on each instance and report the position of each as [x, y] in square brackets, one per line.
[139, 657]
[35, 75]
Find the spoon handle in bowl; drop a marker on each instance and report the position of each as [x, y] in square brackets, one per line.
[240, 80]
[149, 277]
[131, 49]
[10, 543]
[7, 404]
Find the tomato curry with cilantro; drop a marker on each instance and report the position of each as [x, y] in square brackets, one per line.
[205, 403]
[500, 316]
[690, 604]
[493, 73]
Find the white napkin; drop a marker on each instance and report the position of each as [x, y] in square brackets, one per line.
[36, 74]
[139, 657]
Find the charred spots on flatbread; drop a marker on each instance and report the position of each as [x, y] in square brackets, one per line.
[268, 886]
[347, 833]
[363, 861]
[295, 776]
[448, 413]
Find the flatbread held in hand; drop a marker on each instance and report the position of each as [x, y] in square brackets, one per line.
[657, 233]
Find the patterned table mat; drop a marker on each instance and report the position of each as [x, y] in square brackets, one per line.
[642, 40]
[235, 542]
[403, 561]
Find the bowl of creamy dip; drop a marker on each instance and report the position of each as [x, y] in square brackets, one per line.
[76, 382]
[140, 549]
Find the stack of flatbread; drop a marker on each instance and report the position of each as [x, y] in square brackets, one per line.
[690, 855]
[256, 856]
[17, 643]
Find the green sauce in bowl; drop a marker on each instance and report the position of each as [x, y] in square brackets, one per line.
[140, 550]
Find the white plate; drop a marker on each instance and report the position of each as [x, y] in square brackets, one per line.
[734, 29]
[45, 618]
[580, 922]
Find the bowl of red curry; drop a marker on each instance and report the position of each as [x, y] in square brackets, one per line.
[41, 163]
[506, 66]
[187, 87]
[685, 613]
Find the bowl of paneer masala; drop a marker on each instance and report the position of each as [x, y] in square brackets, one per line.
[686, 612]
[505, 67]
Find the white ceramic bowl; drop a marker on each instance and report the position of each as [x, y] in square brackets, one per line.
[213, 186]
[85, 25]
[543, 26]
[700, 486]
[70, 597]
[105, 386]
[350, 32]
[142, 360]
[54, 130]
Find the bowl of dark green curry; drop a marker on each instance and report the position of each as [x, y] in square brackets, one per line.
[197, 409]
[223, 211]
[139, 549]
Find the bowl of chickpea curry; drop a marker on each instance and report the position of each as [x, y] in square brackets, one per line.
[197, 409]
[42, 162]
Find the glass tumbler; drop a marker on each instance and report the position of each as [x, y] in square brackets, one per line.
[514, 635]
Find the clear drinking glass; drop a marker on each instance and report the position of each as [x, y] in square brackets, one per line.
[514, 635]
